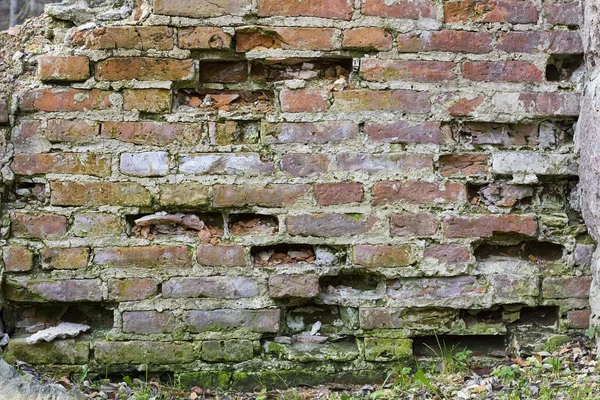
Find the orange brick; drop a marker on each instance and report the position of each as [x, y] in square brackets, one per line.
[261, 38]
[63, 68]
[145, 69]
[367, 39]
[62, 163]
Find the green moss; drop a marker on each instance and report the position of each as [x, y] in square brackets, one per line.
[278, 379]
[555, 343]
[380, 349]
[204, 379]
[58, 352]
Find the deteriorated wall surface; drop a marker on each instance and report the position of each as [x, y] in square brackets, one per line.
[337, 181]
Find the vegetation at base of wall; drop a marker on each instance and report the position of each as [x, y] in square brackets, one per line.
[570, 372]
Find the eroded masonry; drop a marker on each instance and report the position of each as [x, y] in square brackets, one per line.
[279, 192]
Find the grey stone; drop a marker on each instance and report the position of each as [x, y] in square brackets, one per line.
[61, 331]
[17, 387]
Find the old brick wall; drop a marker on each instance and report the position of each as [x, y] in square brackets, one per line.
[348, 178]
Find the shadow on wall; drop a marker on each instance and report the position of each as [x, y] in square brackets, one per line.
[15, 12]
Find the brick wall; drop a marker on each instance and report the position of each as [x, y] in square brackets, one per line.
[337, 181]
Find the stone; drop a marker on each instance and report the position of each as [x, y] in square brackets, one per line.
[63, 330]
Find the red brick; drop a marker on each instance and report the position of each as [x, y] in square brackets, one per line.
[202, 8]
[68, 290]
[216, 287]
[299, 164]
[62, 163]
[385, 256]
[307, 132]
[414, 224]
[368, 39]
[576, 287]
[329, 225]
[451, 41]
[278, 195]
[148, 322]
[489, 225]
[384, 100]
[78, 131]
[418, 192]
[153, 133]
[126, 37]
[148, 100]
[513, 11]
[261, 38]
[552, 42]
[99, 194]
[463, 164]
[145, 69]
[231, 319]
[96, 225]
[563, 13]
[224, 72]
[304, 286]
[329, 194]
[143, 256]
[131, 289]
[54, 99]
[39, 226]
[462, 107]
[579, 319]
[304, 100]
[550, 104]
[404, 9]
[221, 255]
[335, 9]
[502, 71]
[63, 68]
[64, 258]
[247, 164]
[204, 38]
[396, 162]
[397, 70]
[17, 259]
[448, 253]
[405, 132]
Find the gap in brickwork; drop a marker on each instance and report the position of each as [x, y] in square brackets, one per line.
[480, 345]
[477, 317]
[282, 254]
[332, 320]
[251, 224]
[27, 193]
[561, 67]
[528, 251]
[26, 319]
[545, 316]
[176, 223]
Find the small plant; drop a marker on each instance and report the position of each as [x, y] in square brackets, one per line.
[452, 361]
[262, 395]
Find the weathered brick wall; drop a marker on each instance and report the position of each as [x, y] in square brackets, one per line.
[352, 178]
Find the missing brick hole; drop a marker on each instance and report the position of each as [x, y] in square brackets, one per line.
[326, 320]
[272, 70]
[282, 254]
[538, 316]
[504, 135]
[351, 282]
[260, 101]
[476, 317]
[207, 226]
[223, 72]
[23, 320]
[528, 251]
[562, 67]
[480, 345]
[251, 224]
[500, 194]
[27, 193]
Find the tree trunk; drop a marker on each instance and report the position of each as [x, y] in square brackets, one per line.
[14, 11]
